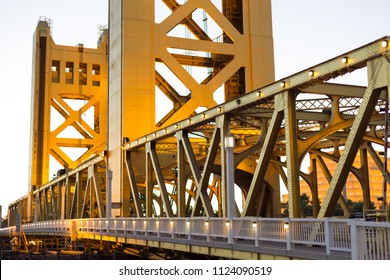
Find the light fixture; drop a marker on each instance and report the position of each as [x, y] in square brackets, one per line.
[229, 141]
[176, 126]
[206, 223]
[145, 221]
[227, 224]
[203, 116]
[385, 43]
[344, 59]
[189, 121]
[254, 224]
[157, 222]
[283, 84]
[219, 109]
[311, 73]
[188, 222]
[171, 222]
[285, 226]
[258, 94]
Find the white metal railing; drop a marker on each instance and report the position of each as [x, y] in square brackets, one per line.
[360, 239]
[371, 240]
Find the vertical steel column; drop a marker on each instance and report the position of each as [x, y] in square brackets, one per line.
[292, 155]
[365, 178]
[385, 152]
[181, 180]
[149, 186]
[229, 153]
[223, 124]
[37, 207]
[314, 186]
[108, 194]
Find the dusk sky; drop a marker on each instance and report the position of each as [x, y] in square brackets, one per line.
[305, 33]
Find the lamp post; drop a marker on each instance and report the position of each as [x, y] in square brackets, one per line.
[229, 147]
[231, 209]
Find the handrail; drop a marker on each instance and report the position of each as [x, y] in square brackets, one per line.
[360, 239]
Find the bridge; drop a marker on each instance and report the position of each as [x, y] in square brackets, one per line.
[207, 177]
[239, 238]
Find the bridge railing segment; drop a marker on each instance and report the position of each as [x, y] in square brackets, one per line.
[354, 238]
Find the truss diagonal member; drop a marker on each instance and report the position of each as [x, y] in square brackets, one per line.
[74, 212]
[62, 159]
[188, 21]
[182, 136]
[98, 191]
[265, 154]
[352, 144]
[378, 161]
[86, 199]
[151, 151]
[201, 193]
[133, 185]
[168, 90]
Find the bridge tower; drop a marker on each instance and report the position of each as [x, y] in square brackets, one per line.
[68, 107]
[146, 50]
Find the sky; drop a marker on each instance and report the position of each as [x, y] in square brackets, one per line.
[305, 33]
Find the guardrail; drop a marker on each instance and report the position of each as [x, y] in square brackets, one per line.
[358, 239]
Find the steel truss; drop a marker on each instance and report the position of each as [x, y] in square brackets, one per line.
[185, 169]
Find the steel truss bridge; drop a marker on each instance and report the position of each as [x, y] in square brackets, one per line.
[240, 238]
[178, 205]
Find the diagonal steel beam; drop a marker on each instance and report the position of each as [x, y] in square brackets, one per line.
[265, 154]
[378, 161]
[151, 151]
[133, 184]
[328, 176]
[183, 137]
[201, 194]
[354, 139]
[188, 21]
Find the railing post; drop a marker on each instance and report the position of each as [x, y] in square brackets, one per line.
[354, 240]
[172, 223]
[327, 236]
[287, 227]
[207, 225]
[256, 228]
[230, 231]
[189, 222]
